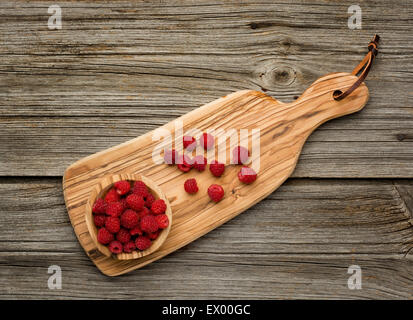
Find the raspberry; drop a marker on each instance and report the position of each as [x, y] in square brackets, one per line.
[149, 200]
[215, 192]
[143, 243]
[217, 168]
[112, 196]
[149, 224]
[99, 220]
[112, 224]
[144, 212]
[129, 247]
[135, 202]
[199, 163]
[140, 189]
[122, 187]
[247, 175]
[162, 221]
[123, 236]
[99, 207]
[136, 231]
[190, 186]
[124, 204]
[139, 184]
[115, 247]
[153, 235]
[129, 219]
[104, 236]
[114, 209]
[183, 167]
[189, 143]
[170, 156]
[158, 206]
[184, 163]
[207, 141]
[240, 155]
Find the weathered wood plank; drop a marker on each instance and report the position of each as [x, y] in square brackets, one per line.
[334, 150]
[119, 69]
[212, 276]
[301, 240]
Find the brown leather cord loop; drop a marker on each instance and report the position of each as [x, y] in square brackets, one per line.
[366, 64]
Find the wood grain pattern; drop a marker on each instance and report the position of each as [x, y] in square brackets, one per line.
[301, 240]
[283, 130]
[118, 70]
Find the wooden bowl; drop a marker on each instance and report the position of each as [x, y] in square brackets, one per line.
[100, 191]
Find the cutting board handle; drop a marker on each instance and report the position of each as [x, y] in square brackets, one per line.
[363, 68]
[337, 94]
[317, 105]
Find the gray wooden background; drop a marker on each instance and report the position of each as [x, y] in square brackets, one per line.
[119, 69]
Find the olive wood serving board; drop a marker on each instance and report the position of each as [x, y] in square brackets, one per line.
[284, 128]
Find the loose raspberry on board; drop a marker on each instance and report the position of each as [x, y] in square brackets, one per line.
[207, 141]
[217, 168]
[191, 186]
[215, 192]
[247, 175]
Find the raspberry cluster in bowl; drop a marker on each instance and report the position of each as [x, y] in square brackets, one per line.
[128, 217]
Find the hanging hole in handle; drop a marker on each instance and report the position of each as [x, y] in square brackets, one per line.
[336, 94]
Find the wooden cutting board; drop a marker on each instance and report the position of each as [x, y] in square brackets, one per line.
[284, 127]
